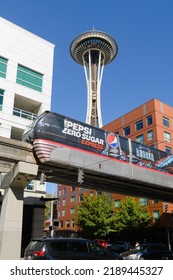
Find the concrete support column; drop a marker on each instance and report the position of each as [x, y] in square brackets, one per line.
[11, 223]
[13, 184]
[38, 222]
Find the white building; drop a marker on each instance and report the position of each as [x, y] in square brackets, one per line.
[26, 69]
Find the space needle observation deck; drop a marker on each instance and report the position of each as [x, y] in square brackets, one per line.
[93, 50]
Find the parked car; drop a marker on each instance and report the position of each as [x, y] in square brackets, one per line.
[68, 249]
[149, 251]
[118, 246]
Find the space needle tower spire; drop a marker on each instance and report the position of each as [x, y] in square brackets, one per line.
[93, 49]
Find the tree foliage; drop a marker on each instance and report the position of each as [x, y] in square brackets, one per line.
[132, 215]
[95, 216]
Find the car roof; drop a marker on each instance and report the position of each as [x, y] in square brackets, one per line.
[41, 239]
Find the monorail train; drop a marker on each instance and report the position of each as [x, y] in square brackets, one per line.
[51, 130]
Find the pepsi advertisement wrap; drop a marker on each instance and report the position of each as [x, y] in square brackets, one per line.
[60, 129]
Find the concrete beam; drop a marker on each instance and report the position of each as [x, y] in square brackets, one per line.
[20, 175]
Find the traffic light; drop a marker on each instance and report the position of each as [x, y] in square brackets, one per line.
[80, 176]
[166, 207]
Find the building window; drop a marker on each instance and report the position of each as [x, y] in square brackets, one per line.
[72, 223]
[91, 193]
[61, 224]
[149, 120]
[150, 135]
[29, 78]
[1, 98]
[140, 138]
[64, 191]
[73, 199]
[117, 203]
[67, 223]
[59, 213]
[60, 192]
[81, 197]
[143, 201]
[165, 121]
[3, 67]
[72, 188]
[139, 125]
[126, 130]
[168, 150]
[167, 136]
[64, 201]
[30, 186]
[63, 212]
[156, 214]
[72, 210]
[155, 201]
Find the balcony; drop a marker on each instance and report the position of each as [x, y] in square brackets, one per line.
[24, 114]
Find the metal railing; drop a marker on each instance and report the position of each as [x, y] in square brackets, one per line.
[24, 114]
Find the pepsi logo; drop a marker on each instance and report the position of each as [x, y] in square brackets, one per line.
[112, 140]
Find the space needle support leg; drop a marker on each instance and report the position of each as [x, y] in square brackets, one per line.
[99, 80]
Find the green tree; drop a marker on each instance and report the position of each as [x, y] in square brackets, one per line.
[132, 216]
[95, 216]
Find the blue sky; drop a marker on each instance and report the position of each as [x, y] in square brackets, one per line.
[143, 68]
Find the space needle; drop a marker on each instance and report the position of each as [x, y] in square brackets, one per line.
[93, 50]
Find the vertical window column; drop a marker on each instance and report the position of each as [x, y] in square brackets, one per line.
[1, 98]
[3, 67]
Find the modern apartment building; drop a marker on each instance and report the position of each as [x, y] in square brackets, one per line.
[26, 70]
[151, 124]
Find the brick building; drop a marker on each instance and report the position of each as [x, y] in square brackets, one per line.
[151, 124]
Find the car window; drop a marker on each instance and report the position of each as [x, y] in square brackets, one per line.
[77, 246]
[59, 245]
[94, 248]
[34, 245]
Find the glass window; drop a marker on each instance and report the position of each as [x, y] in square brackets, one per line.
[149, 120]
[156, 214]
[139, 125]
[167, 136]
[72, 188]
[63, 212]
[117, 203]
[81, 197]
[143, 201]
[67, 223]
[79, 246]
[150, 135]
[3, 67]
[72, 211]
[73, 199]
[64, 201]
[168, 150]
[126, 130]
[64, 191]
[140, 138]
[30, 186]
[165, 121]
[1, 98]
[29, 78]
[60, 192]
[59, 246]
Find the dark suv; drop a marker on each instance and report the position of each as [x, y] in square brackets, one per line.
[68, 249]
[149, 251]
